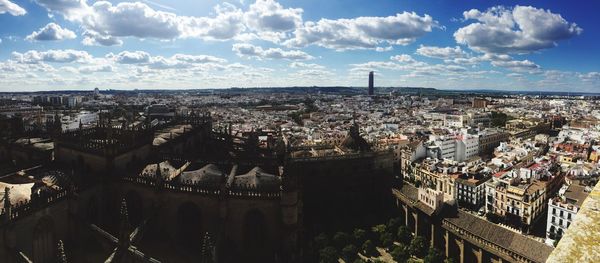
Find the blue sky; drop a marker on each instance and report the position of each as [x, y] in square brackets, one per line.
[508, 45]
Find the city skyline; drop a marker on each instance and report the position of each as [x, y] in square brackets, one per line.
[502, 45]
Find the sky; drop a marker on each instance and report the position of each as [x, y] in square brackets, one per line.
[177, 44]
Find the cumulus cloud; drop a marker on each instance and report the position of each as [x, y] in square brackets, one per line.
[301, 65]
[522, 29]
[271, 20]
[104, 23]
[363, 32]
[96, 68]
[11, 8]
[404, 58]
[177, 61]
[516, 65]
[131, 57]
[248, 50]
[51, 32]
[198, 58]
[55, 56]
[590, 76]
[441, 52]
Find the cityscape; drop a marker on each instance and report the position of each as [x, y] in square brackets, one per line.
[299, 131]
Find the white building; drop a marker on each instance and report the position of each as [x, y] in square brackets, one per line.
[563, 208]
[457, 148]
[432, 198]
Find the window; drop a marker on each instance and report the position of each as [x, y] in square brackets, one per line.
[553, 220]
[569, 216]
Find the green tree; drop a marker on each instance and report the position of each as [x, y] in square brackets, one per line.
[449, 260]
[341, 239]
[369, 248]
[418, 247]
[392, 225]
[433, 256]
[359, 260]
[400, 253]
[499, 119]
[349, 253]
[387, 239]
[360, 235]
[378, 230]
[328, 255]
[321, 241]
[404, 235]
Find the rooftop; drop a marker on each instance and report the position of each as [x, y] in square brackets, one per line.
[581, 242]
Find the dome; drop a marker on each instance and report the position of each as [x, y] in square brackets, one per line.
[209, 173]
[354, 141]
[257, 178]
[18, 192]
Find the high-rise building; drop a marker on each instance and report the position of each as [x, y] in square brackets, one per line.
[371, 88]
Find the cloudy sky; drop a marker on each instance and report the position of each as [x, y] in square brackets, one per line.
[174, 44]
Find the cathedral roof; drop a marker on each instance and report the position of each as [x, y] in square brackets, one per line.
[167, 170]
[257, 178]
[209, 173]
[18, 192]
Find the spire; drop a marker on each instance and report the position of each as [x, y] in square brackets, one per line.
[158, 173]
[124, 233]
[158, 177]
[7, 205]
[207, 249]
[61, 257]
[125, 227]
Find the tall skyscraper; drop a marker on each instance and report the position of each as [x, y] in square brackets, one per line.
[371, 88]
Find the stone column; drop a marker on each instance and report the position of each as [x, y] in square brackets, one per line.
[447, 243]
[461, 247]
[432, 243]
[405, 214]
[478, 254]
[416, 216]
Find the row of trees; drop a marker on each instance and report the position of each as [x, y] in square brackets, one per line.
[395, 239]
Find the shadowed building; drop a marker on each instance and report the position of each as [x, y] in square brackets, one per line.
[186, 192]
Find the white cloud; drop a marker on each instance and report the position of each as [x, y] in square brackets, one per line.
[131, 57]
[104, 23]
[363, 32]
[96, 68]
[71, 9]
[51, 32]
[522, 29]
[227, 24]
[248, 50]
[54, 56]
[441, 52]
[177, 61]
[271, 20]
[301, 65]
[198, 58]
[404, 58]
[11, 8]
[91, 38]
[517, 65]
[590, 76]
